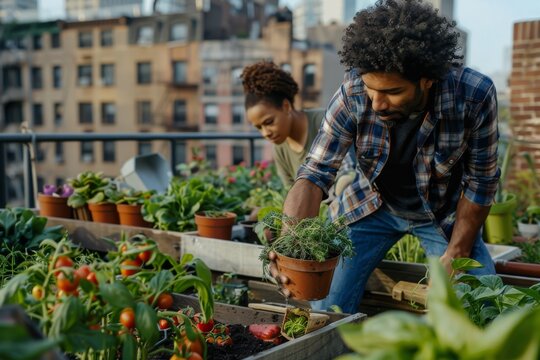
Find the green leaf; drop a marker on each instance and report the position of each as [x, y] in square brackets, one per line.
[441, 290]
[116, 294]
[129, 347]
[81, 338]
[8, 292]
[161, 281]
[203, 271]
[146, 322]
[491, 281]
[17, 344]
[66, 316]
[465, 264]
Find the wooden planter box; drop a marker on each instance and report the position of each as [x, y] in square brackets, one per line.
[324, 343]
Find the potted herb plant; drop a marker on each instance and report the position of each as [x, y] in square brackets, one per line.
[53, 201]
[215, 224]
[307, 253]
[528, 225]
[129, 207]
[103, 204]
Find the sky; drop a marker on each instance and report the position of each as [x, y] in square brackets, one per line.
[488, 23]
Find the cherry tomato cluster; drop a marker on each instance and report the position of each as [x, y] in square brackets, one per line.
[136, 260]
[67, 277]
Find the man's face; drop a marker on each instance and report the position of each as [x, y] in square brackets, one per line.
[394, 97]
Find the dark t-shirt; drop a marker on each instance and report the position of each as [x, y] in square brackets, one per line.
[397, 180]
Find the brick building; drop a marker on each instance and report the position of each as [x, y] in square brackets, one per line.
[525, 92]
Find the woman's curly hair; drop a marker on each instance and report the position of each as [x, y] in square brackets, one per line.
[265, 81]
[404, 36]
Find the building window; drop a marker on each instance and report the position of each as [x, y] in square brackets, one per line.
[286, 67]
[144, 147]
[84, 75]
[108, 113]
[37, 78]
[57, 76]
[309, 76]
[179, 32]
[236, 80]
[109, 154]
[37, 42]
[210, 75]
[58, 114]
[59, 152]
[55, 40]
[237, 154]
[179, 112]
[210, 113]
[12, 77]
[87, 151]
[144, 73]
[211, 154]
[179, 72]
[237, 113]
[144, 112]
[85, 113]
[85, 39]
[145, 35]
[107, 74]
[107, 38]
[37, 114]
[13, 112]
[180, 152]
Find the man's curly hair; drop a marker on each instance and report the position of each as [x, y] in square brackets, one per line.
[266, 82]
[403, 36]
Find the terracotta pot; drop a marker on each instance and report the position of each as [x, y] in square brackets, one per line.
[131, 215]
[215, 227]
[104, 213]
[54, 206]
[308, 279]
[82, 213]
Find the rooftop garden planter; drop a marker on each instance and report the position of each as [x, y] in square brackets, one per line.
[53, 201]
[215, 224]
[86, 185]
[129, 207]
[307, 253]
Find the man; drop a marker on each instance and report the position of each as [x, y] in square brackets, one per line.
[425, 135]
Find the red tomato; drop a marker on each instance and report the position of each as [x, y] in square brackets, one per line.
[145, 255]
[37, 292]
[194, 347]
[131, 263]
[206, 327]
[127, 318]
[66, 284]
[94, 327]
[83, 271]
[165, 301]
[62, 261]
[193, 356]
[163, 324]
[92, 278]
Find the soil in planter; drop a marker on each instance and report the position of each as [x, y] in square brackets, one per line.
[244, 345]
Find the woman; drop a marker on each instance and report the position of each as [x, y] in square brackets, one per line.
[269, 103]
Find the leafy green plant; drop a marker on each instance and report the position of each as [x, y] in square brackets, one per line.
[214, 213]
[175, 209]
[133, 197]
[407, 249]
[530, 252]
[445, 332]
[307, 239]
[91, 187]
[531, 215]
[230, 290]
[295, 325]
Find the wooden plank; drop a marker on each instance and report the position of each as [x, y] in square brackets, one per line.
[414, 292]
[89, 234]
[224, 255]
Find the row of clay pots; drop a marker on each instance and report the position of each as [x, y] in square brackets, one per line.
[123, 214]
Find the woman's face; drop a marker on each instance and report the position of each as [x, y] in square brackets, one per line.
[273, 123]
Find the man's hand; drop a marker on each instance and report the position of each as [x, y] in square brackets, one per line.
[280, 279]
[446, 261]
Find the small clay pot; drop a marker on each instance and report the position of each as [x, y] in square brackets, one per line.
[54, 206]
[215, 227]
[131, 215]
[104, 213]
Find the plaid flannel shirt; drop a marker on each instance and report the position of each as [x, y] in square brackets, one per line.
[457, 147]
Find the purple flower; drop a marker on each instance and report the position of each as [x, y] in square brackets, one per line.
[66, 191]
[49, 189]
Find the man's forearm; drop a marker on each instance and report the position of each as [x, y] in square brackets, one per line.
[469, 219]
[303, 200]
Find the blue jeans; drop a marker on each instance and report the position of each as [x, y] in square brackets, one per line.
[372, 237]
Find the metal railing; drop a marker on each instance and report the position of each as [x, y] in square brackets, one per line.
[35, 138]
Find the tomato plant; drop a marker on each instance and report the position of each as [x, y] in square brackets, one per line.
[163, 324]
[37, 292]
[130, 267]
[67, 283]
